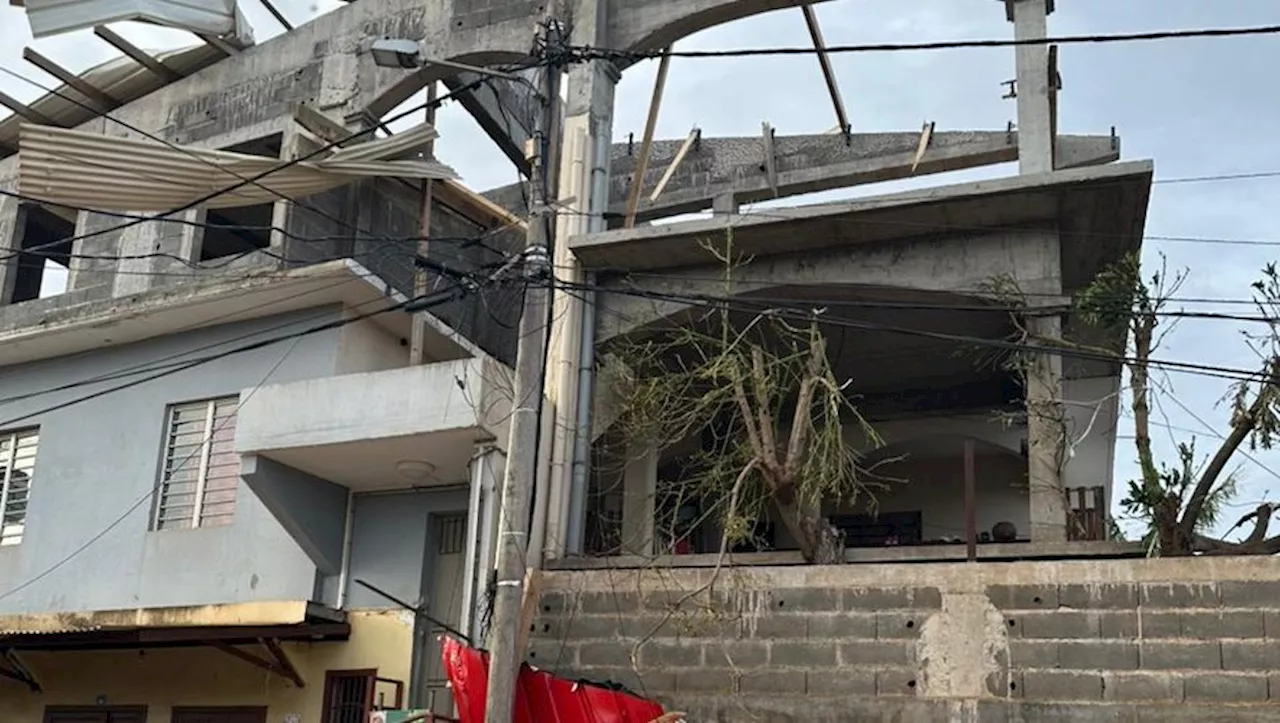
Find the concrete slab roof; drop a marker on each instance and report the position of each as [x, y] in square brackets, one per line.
[1100, 212]
[45, 333]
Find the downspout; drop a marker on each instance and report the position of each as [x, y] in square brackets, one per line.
[598, 204]
[476, 467]
[344, 574]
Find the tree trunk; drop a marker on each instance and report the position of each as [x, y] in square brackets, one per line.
[820, 543]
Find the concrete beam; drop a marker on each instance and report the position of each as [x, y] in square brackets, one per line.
[653, 24]
[723, 168]
[507, 111]
[812, 163]
[1110, 225]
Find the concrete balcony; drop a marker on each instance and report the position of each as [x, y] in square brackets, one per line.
[415, 426]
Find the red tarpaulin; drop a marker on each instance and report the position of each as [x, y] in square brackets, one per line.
[540, 696]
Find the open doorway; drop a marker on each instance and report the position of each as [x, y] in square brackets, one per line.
[233, 232]
[44, 254]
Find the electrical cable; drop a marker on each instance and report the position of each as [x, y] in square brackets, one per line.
[264, 174]
[584, 53]
[715, 302]
[424, 302]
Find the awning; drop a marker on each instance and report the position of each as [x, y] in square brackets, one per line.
[228, 628]
[94, 171]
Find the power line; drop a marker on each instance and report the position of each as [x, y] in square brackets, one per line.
[424, 302]
[264, 174]
[710, 301]
[583, 53]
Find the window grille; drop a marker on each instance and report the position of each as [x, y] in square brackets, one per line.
[17, 465]
[201, 467]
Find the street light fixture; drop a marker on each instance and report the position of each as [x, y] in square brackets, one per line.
[408, 55]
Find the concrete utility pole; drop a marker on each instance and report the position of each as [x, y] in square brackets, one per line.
[522, 457]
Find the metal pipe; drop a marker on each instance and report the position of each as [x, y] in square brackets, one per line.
[476, 468]
[597, 204]
[344, 573]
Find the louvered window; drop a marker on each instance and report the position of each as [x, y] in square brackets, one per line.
[201, 467]
[17, 464]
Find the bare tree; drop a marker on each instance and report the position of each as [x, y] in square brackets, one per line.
[759, 393]
[1180, 503]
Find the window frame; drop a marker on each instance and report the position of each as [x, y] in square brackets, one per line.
[196, 519]
[15, 437]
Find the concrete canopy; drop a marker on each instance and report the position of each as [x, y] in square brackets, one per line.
[1099, 211]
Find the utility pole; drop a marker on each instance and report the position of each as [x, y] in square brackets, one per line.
[522, 455]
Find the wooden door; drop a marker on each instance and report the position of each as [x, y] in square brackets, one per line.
[242, 714]
[95, 714]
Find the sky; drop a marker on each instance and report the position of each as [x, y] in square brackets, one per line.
[1196, 107]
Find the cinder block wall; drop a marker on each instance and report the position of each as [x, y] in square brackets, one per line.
[1116, 640]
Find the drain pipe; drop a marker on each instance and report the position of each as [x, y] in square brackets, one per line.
[344, 575]
[476, 470]
[597, 205]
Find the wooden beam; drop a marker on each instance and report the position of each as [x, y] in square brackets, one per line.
[217, 43]
[285, 666]
[328, 129]
[475, 206]
[101, 99]
[25, 111]
[421, 280]
[528, 609]
[157, 68]
[828, 73]
[685, 147]
[770, 158]
[650, 126]
[926, 137]
[1055, 85]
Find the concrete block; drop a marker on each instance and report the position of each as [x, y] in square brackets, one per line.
[1251, 654]
[802, 655]
[1000, 683]
[789, 682]
[773, 627]
[1273, 686]
[806, 600]
[1098, 655]
[735, 654]
[549, 652]
[877, 653]
[920, 598]
[1024, 597]
[1059, 624]
[1060, 685]
[1160, 625]
[1033, 654]
[652, 682]
[553, 602]
[1119, 624]
[1037, 712]
[841, 682]
[1120, 596]
[894, 626]
[706, 680]
[1158, 655]
[1224, 624]
[671, 599]
[690, 623]
[1160, 687]
[1192, 713]
[593, 627]
[1251, 594]
[1226, 688]
[842, 625]
[1180, 595]
[604, 655]
[607, 603]
[896, 681]
[670, 654]
[1272, 623]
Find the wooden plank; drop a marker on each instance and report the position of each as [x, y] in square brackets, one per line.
[528, 609]
[25, 111]
[99, 98]
[157, 68]
[828, 72]
[675, 162]
[650, 127]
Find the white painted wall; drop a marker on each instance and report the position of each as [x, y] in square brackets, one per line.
[365, 346]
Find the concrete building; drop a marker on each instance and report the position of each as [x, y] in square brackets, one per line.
[367, 450]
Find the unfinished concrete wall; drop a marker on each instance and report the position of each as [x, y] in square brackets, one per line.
[1108, 640]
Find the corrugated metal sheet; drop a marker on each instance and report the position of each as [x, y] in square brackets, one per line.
[54, 17]
[120, 78]
[89, 170]
[49, 631]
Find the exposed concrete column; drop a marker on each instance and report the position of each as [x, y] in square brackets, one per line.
[1046, 440]
[639, 496]
[10, 226]
[583, 197]
[1035, 116]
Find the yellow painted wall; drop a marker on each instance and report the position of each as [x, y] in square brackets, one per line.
[162, 678]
